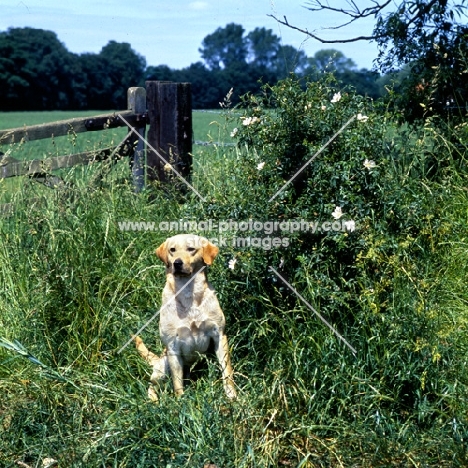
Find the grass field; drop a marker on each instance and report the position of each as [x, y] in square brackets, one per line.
[75, 287]
[208, 127]
[206, 124]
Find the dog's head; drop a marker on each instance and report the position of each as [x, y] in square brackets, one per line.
[185, 254]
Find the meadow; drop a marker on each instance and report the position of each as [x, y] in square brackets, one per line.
[75, 287]
[207, 129]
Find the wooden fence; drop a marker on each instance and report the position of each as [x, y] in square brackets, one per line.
[164, 107]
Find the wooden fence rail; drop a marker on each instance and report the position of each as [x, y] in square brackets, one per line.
[64, 127]
[167, 111]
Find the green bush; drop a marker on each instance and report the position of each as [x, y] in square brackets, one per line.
[378, 285]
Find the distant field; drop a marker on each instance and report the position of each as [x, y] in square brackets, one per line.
[212, 126]
[201, 119]
[55, 146]
[18, 119]
[208, 127]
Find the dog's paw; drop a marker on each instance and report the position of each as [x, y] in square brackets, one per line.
[137, 340]
[230, 391]
[152, 395]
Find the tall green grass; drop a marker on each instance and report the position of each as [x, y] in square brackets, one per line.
[75, 287]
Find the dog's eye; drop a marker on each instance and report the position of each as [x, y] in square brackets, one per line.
[191, 249]
[172, 249]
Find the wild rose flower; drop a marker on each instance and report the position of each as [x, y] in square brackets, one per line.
[338, 213]
[336, 97]
[249, 120]
[369, 164]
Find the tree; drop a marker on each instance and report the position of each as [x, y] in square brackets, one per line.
[290, 60]
[234, 60]
[160, 73]
[37, 72]
[206, 87]
[427, 35]
[225, 47]
[272, 60]
[411, 20]
[365, 82]
[110, 73]
[331, 60]
[264, 47]
[99, 84]
[403, 35]
[125, 68]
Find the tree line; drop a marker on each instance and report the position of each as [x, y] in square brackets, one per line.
[37, 72]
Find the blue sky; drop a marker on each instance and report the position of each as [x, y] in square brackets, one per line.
[170, 32]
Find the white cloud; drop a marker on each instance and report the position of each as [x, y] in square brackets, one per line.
[198, 5]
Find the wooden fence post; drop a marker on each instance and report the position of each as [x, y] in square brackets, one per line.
[136, 102]
[169, 108]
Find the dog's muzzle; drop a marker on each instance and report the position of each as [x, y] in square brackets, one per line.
[178, 266]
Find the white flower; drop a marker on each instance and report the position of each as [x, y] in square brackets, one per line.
[234, 133]
[167, 167]
[337, 214]
[350, 225]
[324, 108]
[49, 462]
[362, 118]
[369, 164]
[232, 263]
[260, 166]
[249, 120]
[336, 97]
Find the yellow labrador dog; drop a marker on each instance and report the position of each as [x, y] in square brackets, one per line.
[190, 316]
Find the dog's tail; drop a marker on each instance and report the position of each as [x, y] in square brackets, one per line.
[145, 353]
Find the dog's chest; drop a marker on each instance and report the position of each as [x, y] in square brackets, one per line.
[188, 323]
[188, 333]
[195, 318]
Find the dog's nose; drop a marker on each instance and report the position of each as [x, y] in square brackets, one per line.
[178, 263]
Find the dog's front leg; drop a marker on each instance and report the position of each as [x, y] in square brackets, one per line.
[177, 371]
[222, 353]
[159, 364]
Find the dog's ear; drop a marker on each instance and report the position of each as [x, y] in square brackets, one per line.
[161, 252]
[209, 253]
